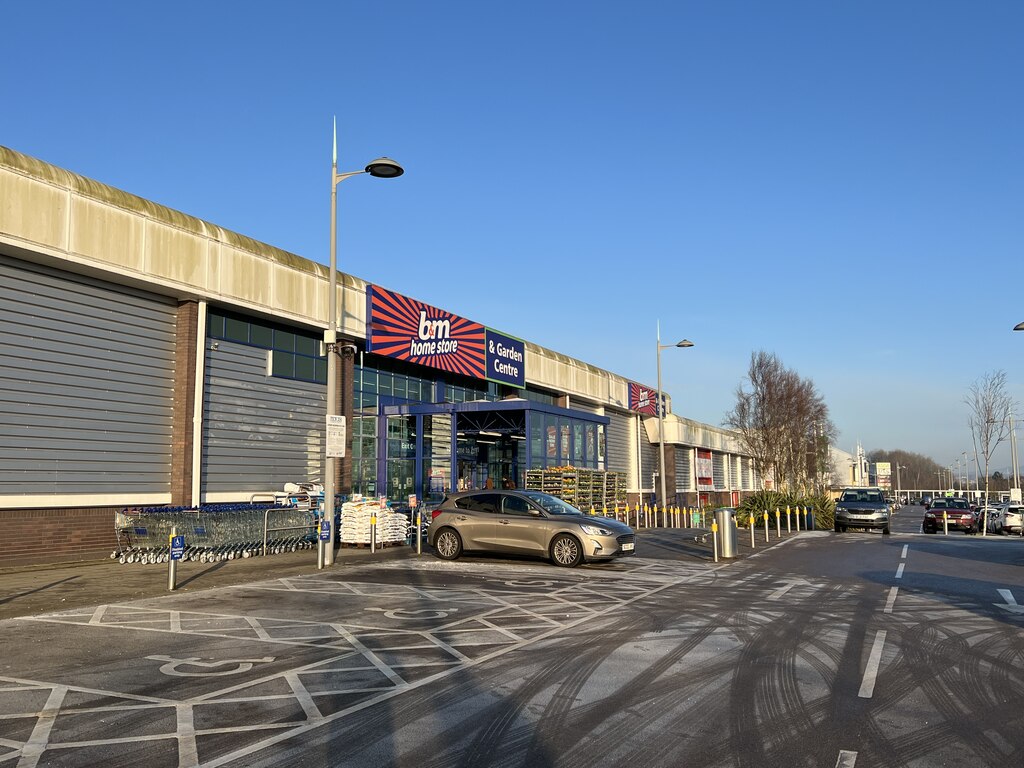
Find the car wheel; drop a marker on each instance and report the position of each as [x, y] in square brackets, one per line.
[838, 528]
[448, 544]
[566, 551]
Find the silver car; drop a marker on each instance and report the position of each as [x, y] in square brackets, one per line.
[525, 523]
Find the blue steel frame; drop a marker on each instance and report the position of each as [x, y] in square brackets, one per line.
[419, 410]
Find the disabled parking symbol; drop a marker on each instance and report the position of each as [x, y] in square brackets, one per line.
[207, 668]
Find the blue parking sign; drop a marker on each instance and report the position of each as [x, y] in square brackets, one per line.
[325, 530]
[177, 547]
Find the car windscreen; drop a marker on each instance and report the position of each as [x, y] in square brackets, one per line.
[551, 504]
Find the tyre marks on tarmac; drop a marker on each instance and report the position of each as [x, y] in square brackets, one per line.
[434, 665]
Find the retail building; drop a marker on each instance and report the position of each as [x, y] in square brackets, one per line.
[153, 358]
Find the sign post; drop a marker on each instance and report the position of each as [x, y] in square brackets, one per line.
[177, 551]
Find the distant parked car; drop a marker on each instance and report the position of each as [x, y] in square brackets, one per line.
[926, 501]
[988, 517]
[1009, 520]
[862, 508]
[958, 517]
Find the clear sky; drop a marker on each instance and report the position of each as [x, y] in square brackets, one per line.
[840, 183]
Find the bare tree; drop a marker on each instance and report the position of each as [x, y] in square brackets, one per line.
[989, 418]
[782, 421]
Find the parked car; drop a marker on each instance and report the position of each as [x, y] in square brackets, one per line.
[862, 508]
[1009, 519]
[926, 501]
[989, 517]
[958, 517]
[525, 523]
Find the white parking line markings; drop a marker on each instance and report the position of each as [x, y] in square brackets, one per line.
[867, 685]
[899, 571]
[1010, 604]
[846, 759]
[905, 548]
[893, 591]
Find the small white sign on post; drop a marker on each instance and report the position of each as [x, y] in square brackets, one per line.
[336, 434]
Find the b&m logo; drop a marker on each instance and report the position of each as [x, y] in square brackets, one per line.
[434, 336]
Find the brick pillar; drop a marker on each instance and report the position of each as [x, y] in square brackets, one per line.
[670, 473]
[346, 398]
[183, 403]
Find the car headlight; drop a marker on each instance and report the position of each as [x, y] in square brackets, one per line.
[593, 530]
[840, 509]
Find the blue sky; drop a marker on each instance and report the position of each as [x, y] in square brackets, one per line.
[840, 183]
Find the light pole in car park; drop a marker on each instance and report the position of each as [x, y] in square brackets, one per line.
[967, 473]
[661, 414]
[382, 168]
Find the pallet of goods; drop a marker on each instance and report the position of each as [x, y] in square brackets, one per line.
[357, 519]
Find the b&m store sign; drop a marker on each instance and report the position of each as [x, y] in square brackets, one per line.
[643, 399]
[407, 329]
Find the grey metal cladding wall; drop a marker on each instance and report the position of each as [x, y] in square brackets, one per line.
[86, 384]
[259, 431]
[617, 442]
[684, 476]
[651, 458]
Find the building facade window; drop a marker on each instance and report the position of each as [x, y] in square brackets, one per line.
[294, 354]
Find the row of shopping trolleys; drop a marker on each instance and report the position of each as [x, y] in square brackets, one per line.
[212, 532]
[151, 556]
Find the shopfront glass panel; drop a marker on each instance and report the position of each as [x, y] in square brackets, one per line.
[537, 438]
[437, 436]
[401, 437]
[550, 439]
[364, 455]
[401, 479]
[577, 444]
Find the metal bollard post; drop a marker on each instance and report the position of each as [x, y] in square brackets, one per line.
[766, 526]
[373, 533]
[797, 516]
[753, 517]
[945, 523]
[419, 533]
[319, 547]
[714, 539]
[778, 523]
[172, 564]
[789, 528]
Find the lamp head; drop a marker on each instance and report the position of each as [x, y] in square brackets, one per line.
[1019, 327]
[384, 168]
[685, 343]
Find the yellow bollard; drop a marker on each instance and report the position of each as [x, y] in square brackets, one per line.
[616, 510]
[592, 512]
[766, 526]
[778, 523]
[789, 527]
[714, 536]
[753, 518]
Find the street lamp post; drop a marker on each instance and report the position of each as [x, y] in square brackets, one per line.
[661, 414]
[967, 473]
[382, 168]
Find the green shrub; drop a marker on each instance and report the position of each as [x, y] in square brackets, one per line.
[821, 504]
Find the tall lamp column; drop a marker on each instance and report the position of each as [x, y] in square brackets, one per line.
[382, 168]
[661, 414]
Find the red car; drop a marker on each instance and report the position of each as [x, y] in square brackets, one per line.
[957, 513]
